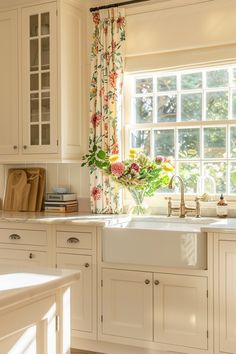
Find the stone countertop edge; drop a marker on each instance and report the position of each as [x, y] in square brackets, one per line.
[89, 219]
[22, 295]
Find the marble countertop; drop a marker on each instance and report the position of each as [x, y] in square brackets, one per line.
[20, 285]
[86, 219]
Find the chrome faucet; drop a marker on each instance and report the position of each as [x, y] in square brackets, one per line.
[183, 209]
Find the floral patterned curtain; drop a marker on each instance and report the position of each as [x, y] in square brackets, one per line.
[105, 97]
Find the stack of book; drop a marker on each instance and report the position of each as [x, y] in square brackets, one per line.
[61, 203]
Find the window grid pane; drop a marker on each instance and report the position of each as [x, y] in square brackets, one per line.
[189, 115]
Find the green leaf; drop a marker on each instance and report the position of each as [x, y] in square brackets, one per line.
[101, 154]
[233, 177]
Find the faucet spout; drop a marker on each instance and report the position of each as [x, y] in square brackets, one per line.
[182, 202]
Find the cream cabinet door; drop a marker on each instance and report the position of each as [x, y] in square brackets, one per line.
[227, 296]
[82, 291]
[39, 79]
[180, 310]
[127, 304]
[23, 257]
[8, 83]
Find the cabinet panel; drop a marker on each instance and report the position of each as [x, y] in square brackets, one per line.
[127, 304]
[227, 296]
[8, 83]
[75, 240]
[23, 237]
[39, 69]
[180, 310]
[82, 291]
[23, 257]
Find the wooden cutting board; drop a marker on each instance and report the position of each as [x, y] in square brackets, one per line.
[25, 189]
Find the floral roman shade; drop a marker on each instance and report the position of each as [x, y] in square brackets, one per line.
[107, 65]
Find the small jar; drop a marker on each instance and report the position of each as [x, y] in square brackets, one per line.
[222, 207]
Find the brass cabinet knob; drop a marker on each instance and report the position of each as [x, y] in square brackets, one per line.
[15, 147]
[86, 265]
[156, 282]
[24, 147]
[30, 255]
[147, 281]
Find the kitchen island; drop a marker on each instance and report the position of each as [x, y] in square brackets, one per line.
[35, 310]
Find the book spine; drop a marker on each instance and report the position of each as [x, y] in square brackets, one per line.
[61, 197]
[63, 209]
[60, 204]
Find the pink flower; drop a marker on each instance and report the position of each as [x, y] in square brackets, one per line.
[112, 78]
[120, 22]
[96, 119]
[96, 18]
[96, 193]
[117, 169]
[160, 159]
[134, 167]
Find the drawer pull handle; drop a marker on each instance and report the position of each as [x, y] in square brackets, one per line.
[156, 282]
[14, 237]
[147, 281]
[30, 255]
[86, 265]
[73, 240]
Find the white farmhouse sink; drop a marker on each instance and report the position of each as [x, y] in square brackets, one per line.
[164, 242]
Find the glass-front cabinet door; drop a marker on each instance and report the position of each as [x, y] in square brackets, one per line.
[39, 79]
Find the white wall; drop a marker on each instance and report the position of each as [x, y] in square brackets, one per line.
[178, 32]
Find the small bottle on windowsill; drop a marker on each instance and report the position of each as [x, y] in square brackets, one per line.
[222, 207]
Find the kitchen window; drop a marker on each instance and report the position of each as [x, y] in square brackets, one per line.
[189, 115]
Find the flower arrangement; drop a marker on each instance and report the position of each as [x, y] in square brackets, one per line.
[141, 175]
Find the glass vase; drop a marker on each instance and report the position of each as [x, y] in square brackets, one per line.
[138, 206]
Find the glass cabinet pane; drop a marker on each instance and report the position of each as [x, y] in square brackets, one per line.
[34, 135]
[45, 25]
[34, 55]
[34, 82]
[34, 107]
[39, 79]
[45, 107]
[45, 60]
[46, 134]
[34, 25]
[45, 81]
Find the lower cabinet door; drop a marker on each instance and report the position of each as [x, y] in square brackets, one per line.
[127, 304]
[81, 299]
[180, 310]
[23, 257]
[227, 296]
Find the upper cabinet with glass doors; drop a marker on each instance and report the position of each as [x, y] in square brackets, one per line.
[40, 133]
[43, 88]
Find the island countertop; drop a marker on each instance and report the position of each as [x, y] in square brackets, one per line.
[22, 284]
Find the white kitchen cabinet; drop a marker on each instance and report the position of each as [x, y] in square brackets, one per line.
[180, 310]
[43, 75]
[81, 291]
[24, 245]
[127, 304]
[9, 111]
[155, 307]
[39, 70]
[76, 249]
[226, 294]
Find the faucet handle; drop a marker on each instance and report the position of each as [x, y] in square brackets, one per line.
[169, 205]
[198, 207]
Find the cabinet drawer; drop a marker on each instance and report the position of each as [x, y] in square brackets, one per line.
[80, 240]
[23, 237]
[23, 257]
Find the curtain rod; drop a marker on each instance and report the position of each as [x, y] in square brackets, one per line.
[92, 9]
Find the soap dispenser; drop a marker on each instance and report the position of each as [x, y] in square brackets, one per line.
[222, 207]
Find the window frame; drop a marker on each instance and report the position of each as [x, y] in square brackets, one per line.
[129, 125]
